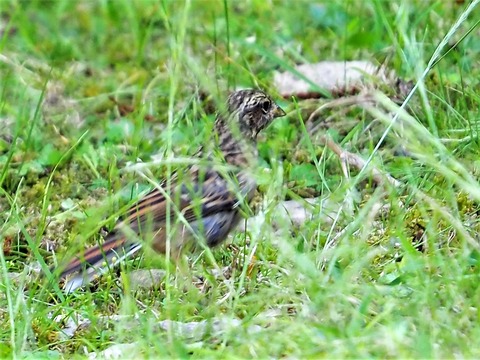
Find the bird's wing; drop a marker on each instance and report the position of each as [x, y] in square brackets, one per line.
[197, 197]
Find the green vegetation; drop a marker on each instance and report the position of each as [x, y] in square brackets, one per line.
[89, 88]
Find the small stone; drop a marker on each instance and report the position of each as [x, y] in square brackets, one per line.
[67, 204]
[146, 279]
[19, 279]
[117, 351]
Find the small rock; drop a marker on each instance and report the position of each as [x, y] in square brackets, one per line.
[19, 279]
[146, 279]
[71, 324]
[196, 331]
[67, 204]
[117, 351]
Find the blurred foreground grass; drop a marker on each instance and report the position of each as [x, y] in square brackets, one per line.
[87, 88]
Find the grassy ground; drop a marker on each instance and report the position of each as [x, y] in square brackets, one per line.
[88, 88]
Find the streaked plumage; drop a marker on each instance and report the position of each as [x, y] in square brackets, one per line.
[203, 203]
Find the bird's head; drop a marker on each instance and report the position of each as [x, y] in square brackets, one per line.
[254, 111]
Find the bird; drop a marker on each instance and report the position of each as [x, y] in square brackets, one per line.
[198, 206]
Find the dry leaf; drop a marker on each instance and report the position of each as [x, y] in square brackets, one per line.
[332, 76]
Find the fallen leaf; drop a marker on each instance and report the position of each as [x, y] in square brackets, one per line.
[306, 80]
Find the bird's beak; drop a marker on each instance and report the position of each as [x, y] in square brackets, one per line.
[278, 112]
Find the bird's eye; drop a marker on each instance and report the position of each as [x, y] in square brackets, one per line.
[265, 105]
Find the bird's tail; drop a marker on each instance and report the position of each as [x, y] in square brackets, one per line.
[97, 261]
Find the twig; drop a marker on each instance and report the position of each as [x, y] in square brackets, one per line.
[356, 161]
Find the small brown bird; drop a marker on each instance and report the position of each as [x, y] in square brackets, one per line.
[202, 204]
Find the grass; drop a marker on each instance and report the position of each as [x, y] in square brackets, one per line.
[89, 88]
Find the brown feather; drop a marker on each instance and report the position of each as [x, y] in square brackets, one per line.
[202, 204]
